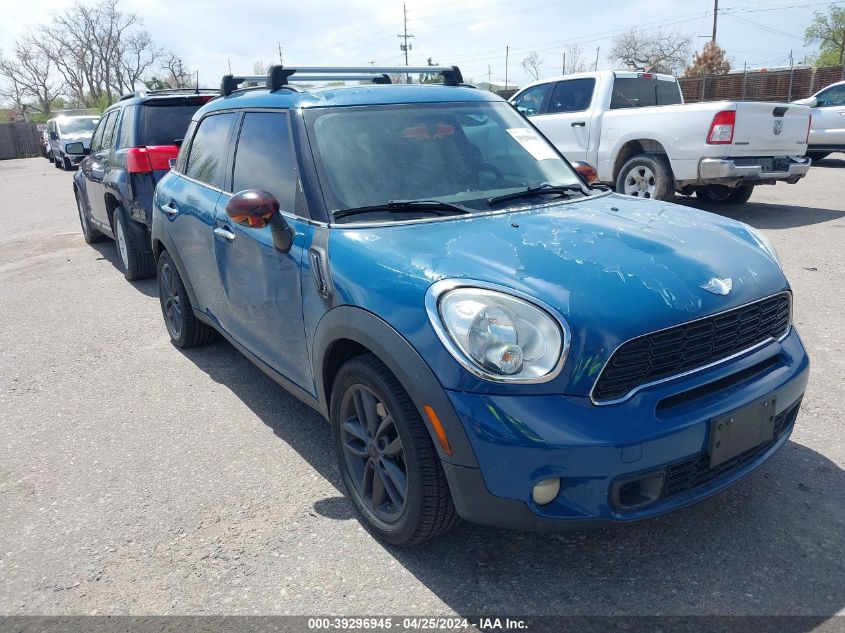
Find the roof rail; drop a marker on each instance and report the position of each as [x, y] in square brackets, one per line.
[280, 76]
[146, 93]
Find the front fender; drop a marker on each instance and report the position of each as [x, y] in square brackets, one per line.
[363, 327]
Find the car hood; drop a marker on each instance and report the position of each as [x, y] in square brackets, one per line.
[84, 138]
[614, 267]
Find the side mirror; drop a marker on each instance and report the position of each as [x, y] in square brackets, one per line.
[54, 136]
[257, 209]
[171, 163]
[76, 149]
[586, 171]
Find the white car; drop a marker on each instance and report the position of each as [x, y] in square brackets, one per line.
[69, 129]
[643, 140]
[827, 132]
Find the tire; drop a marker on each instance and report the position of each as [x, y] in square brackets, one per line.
[132, 249]
[56, 162]
[184, 328]
[66, 164]
[817, 155]
[90, 234]
[718, 194]
[49, 156]
[373, 465]
[647, 176]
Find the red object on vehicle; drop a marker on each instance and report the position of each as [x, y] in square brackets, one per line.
[140, 160]
[722, 128]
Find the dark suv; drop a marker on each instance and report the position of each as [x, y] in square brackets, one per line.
[130, 151]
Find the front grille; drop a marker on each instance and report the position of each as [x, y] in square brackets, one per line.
[686, 347]
[694, 472]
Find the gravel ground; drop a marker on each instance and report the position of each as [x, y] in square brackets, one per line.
[136, 478]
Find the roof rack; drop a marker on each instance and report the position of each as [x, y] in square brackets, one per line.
[147, 93]
[280, 76]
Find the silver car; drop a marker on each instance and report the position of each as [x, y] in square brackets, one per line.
[69, 129]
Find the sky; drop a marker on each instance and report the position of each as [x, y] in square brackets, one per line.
[212, 35]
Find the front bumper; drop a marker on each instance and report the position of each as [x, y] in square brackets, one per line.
[719, 170]
[521, 440]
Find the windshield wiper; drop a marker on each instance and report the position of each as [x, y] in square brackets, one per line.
[406, 206]
[536, 191]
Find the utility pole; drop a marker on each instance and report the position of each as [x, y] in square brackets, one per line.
[715, 19]
[507, 50]
[489, 75]
[281, 59]
[791, 75]
[842, 54]
[596, 67]
[563, 63]
[404, 37]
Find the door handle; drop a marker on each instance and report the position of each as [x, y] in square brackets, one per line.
[222, 231]
[169, 209]
[579, 124]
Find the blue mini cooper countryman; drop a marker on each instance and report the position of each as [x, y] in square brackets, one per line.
[489, 336]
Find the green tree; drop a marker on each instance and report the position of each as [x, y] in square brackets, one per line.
[431, 78]
[828, 31]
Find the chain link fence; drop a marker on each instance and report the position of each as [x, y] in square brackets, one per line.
[761, 85]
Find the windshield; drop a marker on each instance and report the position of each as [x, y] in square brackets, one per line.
[77, 126]
[463, 153]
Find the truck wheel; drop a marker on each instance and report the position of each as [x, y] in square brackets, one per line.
[725, 195]
[66, 164]
[56, 162]
[647, 176]
[131, 240]
[389, 465]
[185, 329]
[817, 155]
[90, 234]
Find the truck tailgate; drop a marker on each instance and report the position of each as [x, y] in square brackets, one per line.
[770, 129]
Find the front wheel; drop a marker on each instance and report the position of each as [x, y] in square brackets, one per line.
[90, 234]
[725, 195]
[184, 328]
[647, 176]
[389, 465]
[66, 164]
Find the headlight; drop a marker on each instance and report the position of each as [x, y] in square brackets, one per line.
[496, 335]
[765, 243]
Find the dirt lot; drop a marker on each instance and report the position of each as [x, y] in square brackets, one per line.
[135, 478]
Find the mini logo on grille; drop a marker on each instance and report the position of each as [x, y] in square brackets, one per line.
[778, 127]
[719, 286]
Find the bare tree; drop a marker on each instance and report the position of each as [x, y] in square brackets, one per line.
[29, 73]
[531, 65]
[176, 74]
[658, 51]
[98, 50]
[136, 55]
[575, 60]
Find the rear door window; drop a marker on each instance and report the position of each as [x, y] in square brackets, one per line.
[208, 150]
[574, 95]
[530, 102]
[264, 157]
[634, 92]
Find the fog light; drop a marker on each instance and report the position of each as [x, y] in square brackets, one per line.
[546, 491]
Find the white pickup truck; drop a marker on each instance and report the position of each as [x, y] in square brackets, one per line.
[643, 140]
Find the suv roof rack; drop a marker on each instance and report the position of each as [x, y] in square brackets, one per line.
[147, 93]
[279, 76]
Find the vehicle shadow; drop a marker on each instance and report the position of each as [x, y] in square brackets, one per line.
[773, 544]
[835, 160]
[764, 215]
[108, 252]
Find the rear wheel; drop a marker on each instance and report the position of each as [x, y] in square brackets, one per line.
[184, 328]
[389, 465]
[647, 176]
[725, 195]
[137, 261]
[90, 234]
